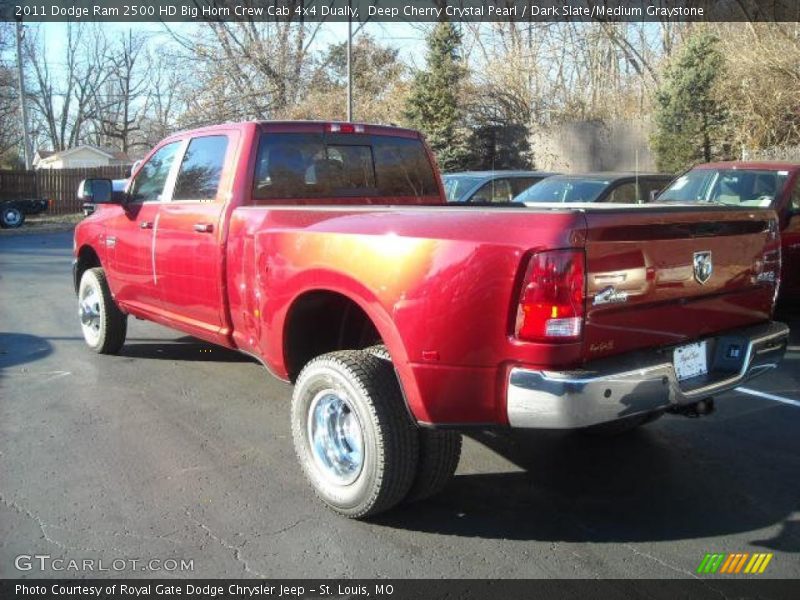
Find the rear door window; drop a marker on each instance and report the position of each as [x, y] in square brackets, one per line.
[201, 168]
[340, 166]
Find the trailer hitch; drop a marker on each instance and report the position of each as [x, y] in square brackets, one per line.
[701, 408]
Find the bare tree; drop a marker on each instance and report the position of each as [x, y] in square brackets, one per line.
[122, 101]
[761, 85]
[167, 97]
[64, 98]
[569, 70]
[248, 69]
[10, 131]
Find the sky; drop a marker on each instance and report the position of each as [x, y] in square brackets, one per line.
[408, 38]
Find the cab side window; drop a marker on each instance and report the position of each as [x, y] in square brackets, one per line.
[649, 189]
[497, 190]
[149, 183]
[201, 168]
[625, 193]
[794, 202]
[520, 184]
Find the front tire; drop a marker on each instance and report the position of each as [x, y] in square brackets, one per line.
[103, 324]
[11, 217]
[352, 435]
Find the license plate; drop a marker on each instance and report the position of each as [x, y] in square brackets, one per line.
[690, 361]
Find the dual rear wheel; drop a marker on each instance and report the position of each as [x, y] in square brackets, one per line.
[358, 446]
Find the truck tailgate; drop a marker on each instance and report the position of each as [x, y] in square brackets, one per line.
[663, 276]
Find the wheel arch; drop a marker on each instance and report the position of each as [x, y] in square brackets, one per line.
[85, 258]
[343, 317]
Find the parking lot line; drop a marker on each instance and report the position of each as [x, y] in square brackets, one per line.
[790, 401]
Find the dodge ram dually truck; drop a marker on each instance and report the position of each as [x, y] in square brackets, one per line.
[748, 183]
[328, 252]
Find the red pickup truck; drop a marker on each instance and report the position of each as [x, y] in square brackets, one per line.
[751, 184]
[328, 252]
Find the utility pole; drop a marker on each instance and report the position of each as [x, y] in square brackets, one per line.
[349, 66]
[23, 108]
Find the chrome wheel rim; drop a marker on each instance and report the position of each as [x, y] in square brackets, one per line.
[90, 312]
[336, 437]
[12, 217]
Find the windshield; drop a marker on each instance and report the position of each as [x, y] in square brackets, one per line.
[457, 186]
[563, 190]
[737, 187]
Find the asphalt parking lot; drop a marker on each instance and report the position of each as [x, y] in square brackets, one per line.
[180, 450]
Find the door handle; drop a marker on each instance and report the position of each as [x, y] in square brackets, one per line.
[145, 224]
[203, 227]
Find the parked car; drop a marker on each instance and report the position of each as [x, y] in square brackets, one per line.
[13, 212]
[314, 247]
[620, 188]
[751, 184]
[489, 186]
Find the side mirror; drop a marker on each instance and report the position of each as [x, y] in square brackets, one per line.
[653, 195]
[95, 191]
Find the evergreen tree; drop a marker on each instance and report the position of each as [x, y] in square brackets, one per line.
[690, 120]
[433, 104]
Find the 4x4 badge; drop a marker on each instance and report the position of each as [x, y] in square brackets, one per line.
[703, 266]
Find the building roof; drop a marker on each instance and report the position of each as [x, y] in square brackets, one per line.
[111, 153]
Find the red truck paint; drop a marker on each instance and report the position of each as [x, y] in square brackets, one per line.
[441, 284]
[787, 205]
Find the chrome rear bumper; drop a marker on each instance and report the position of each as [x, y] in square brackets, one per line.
[637, 383]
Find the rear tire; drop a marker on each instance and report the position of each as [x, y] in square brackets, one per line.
[104, 325]
[439, 453]
[352, 434]
[621, 427]
[11, 217]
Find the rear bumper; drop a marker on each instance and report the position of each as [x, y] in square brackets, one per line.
[637, 383]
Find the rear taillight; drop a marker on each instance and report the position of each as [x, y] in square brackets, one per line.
[551, 300]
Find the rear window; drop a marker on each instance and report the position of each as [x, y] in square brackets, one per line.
[294, 165]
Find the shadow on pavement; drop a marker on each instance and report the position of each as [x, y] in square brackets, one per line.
[20, 348]
[184, 348]
[790, 316]
[633, 488]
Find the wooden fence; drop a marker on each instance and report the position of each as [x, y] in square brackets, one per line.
[58, 185]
